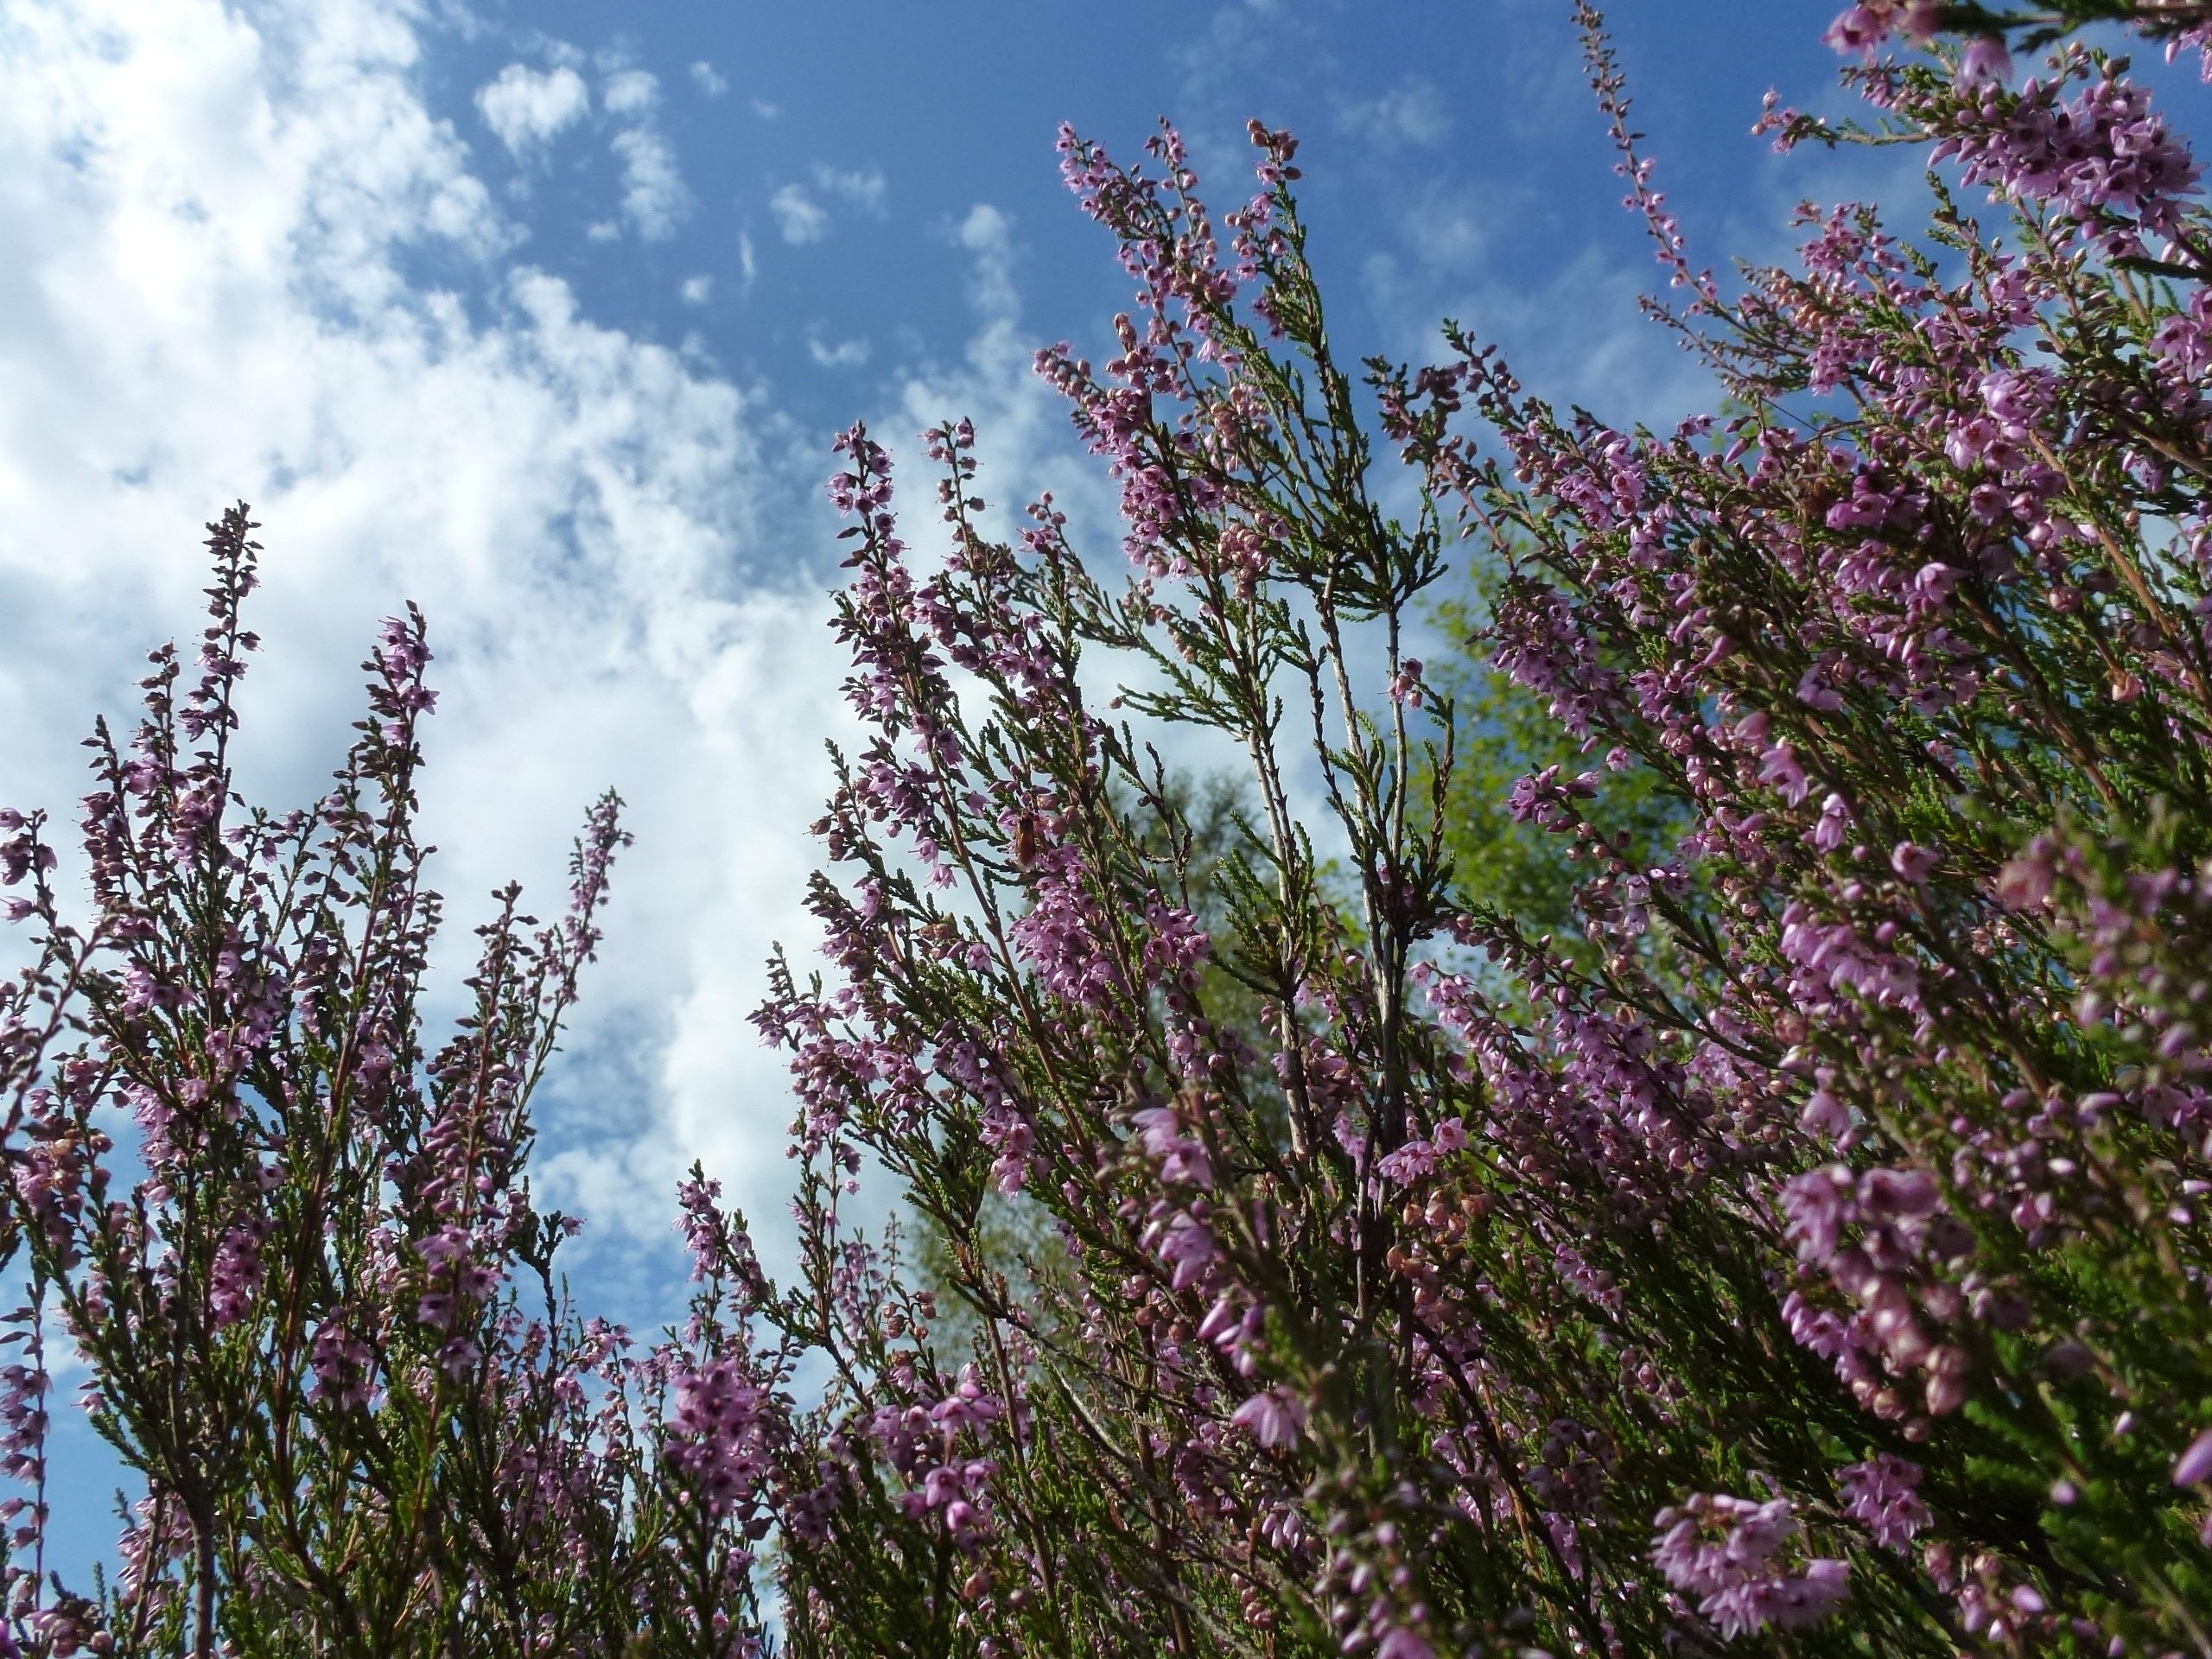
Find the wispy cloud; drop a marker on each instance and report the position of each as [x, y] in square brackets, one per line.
[797, 216]
[1411, 113]
[800, 214]
[1448, 226]
[862, 187]
[988, 234]
[708, 80]
[845, 354]
[654, 196]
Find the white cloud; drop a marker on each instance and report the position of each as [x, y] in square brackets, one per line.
[696, 291]
[798, 215]
[863, 188]
[1448, 226]
[527, 110]
[748, 262]
[802, 217]
[708, 80]
[654, 196]
[208, 215]
[631, 93]
[763, 109]
[845, 354]
[988, 234]
[1412, 112]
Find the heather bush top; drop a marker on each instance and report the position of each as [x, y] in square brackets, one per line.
[1792, 1241]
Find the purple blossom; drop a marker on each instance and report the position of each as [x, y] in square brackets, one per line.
[1986, 59]
[2193, 1466]
[1273, 1417]
[1882, 1495]
[1724, 1551]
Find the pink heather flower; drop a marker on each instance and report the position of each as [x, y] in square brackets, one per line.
[1818, 1204]
[1274, 1419]
[341, 1361]
[1406, 685]
[1834, 826]
[237, 1273]
[1825, 1112]
[704, 1231]
[1186, 1249]
[1714, 1542]
[718, 1433]
[1859, 28]
[1408, 1164]
[1920, 19]
[1788, 1602]
[1779, 766]
[1175, 944]
[2195, 1466]
[1181, 1157]
[1814, 691]
[2184, 339]
[1883, 1496]
[1986, 59]
[1722, 1550]
[2025, 883]
[1014, 1141]
[1893, 1194]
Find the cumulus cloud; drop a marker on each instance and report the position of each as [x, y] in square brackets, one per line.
[209, 217]
[707, 80]
[696, 291]
[526, 110]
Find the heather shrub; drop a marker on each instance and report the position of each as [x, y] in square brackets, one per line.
[1806, 1250]
[292, 1243]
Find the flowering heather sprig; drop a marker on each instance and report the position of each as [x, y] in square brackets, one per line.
[1611, 87]
[1723, 1551]
[1991, 30]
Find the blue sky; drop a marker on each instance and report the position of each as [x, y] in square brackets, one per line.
[829, 155]
[544, 315]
